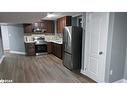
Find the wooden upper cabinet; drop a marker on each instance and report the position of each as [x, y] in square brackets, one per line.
[62, 22]
[48, 25]
[58, 25]
[68, 20]
[30, 48]
[44, 24]
[27, 28]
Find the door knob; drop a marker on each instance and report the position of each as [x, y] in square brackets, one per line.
[100, 53]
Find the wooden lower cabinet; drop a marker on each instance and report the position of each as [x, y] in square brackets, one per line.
[27, 28]
[55, 49]
[49, 47]
[30, 49]
[52, 48]
[59, 51]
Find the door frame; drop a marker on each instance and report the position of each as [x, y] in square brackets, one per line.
[7, 38]
[102, 66]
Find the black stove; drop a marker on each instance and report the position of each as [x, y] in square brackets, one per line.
[40, 45]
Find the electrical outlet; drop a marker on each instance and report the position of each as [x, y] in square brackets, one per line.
[111, 72]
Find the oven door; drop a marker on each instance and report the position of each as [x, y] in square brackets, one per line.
[40, 48]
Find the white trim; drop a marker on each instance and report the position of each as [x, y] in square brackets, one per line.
[1, 59]
[100, 76]
[82, 71]
[124, 81]
[121, 81]
[85, 73]
[77, 15]
[118, 81]
[17, 52]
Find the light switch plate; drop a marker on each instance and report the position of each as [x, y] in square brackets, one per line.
[111, 72]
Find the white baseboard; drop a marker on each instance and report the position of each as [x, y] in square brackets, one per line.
[17, 52]
[1, 59]
[121, 81]
[118, 81]
[124, 81]
[82, 71]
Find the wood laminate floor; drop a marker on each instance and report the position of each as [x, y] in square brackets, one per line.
[38, 69]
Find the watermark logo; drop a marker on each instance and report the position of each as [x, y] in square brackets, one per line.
[1, 75]
[4, 80]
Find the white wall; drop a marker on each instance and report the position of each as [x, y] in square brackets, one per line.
[125, 67]
[16, 38]
[1, 47]
[5, 38]
[116, 50]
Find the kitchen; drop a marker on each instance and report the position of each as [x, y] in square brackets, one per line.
[69, 48]
[43, 38]
[47, 36]
[40, 39]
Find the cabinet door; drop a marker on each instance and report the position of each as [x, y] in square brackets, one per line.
[62, 22]
[30, 48]
[50, 26]
[59, 53]
[44, 24]
[57, 50]
[49, 47]
[27, 28]
[68, 21]
[31, 51]
[53, 48]
[58, 25]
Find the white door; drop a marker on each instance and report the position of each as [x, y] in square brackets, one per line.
[5, 37]
[95, 45]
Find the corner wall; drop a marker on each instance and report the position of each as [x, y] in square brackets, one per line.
[117, 45]
[83, 39]
[5, 37]
[16, 38]
[125, 69]
[1, 45]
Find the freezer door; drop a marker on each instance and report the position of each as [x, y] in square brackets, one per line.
[67, 62]
[67, 39]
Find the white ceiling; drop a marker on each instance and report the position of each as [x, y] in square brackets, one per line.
[61, 14]
[20, 17]
[29, 17]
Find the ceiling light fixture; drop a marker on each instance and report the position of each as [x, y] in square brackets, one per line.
[49, 15]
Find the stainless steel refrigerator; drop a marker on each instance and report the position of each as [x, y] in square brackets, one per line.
[72, 47]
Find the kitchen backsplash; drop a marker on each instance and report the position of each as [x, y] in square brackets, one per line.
[29, 38]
